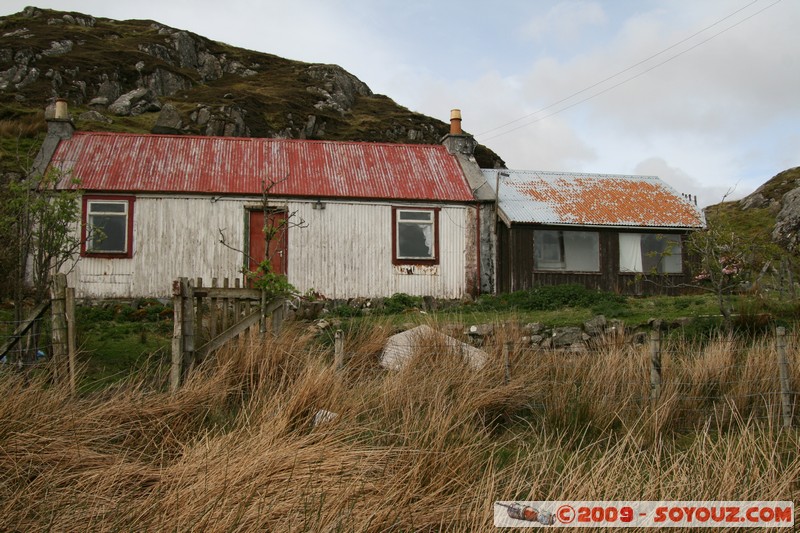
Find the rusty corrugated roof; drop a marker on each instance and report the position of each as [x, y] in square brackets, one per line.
[234, 165]
[533, 197]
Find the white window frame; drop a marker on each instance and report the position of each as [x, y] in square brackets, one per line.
[562, 262]
[632, 257]
[431, 221]
[90, 233]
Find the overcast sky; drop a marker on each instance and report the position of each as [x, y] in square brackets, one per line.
[704, 94]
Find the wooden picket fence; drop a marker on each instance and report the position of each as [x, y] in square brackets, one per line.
[208, 317]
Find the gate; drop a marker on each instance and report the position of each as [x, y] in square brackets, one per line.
[206, 318]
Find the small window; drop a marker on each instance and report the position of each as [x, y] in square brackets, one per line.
[650, 253]
[107, 226]
[415, 235]
[573, 251]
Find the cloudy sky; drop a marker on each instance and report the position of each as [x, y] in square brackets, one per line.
[702, 94]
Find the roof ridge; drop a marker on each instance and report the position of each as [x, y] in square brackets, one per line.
[510, 172]
[255, 139]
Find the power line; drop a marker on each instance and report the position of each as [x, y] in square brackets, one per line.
[628, 69]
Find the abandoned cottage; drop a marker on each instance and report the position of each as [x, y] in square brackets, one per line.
[616, 233]
[361, 219]
[365, 219]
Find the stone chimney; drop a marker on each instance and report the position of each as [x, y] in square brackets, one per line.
[458, 142]
[59, 128]
[59, 123]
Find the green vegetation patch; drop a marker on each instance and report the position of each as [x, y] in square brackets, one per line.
[549, 298]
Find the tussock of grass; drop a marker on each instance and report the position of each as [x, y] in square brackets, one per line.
[426, 448]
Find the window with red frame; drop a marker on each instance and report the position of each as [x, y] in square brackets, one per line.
[416, 236]
[108, 226]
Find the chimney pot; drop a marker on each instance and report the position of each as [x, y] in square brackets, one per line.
[58, 122]
[62, 111]
[455, 122]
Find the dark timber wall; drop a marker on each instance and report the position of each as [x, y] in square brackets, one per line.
[515, 265]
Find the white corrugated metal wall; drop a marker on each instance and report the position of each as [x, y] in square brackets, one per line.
[344, 252]
[172, 237]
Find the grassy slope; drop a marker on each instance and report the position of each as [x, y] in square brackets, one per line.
[756, 224]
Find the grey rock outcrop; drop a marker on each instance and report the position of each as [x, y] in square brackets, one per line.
[337, 87]
[787, 223]
[162, 82]
[158, 51]
[228, 121]
[169, 121]
[135, 102]
[210, 68]
[58, 48]
[94, 116]
[187, 51]
[755, 201]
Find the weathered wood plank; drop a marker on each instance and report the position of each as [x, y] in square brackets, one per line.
[188, 326]
[223, 292]
[231, 333]
[226, 305]
[176, 371]
[199, 311]
[212, 313]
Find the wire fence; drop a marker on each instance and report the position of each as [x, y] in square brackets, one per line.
[613, 381]
[31, 349]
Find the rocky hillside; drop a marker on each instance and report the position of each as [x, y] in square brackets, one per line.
[772, 212]
[142, 76]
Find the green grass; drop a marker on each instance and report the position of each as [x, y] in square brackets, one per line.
[114, 339]
[111, 350]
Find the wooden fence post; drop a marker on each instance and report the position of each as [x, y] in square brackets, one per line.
[176, 371]
[262, 324]
[507, 361]
[338, 350]
[277, 319]
[189, 332]
[71, 338]
[198, 315]
[226, 305]
[655, 365]
[783, 371]
[183, 342]
[59, 323]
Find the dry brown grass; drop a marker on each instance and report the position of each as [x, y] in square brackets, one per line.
[427, 448]
[29, 125]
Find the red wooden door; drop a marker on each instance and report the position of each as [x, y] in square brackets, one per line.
[278, 245]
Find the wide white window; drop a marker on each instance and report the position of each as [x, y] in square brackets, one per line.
[574, 251]
[415, 237]
[650, 253]
[107, 226]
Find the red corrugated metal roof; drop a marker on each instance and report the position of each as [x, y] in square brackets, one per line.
[233, 165]
[534, 197]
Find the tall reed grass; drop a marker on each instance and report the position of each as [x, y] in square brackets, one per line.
[427, 448]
